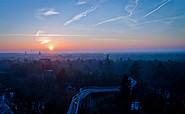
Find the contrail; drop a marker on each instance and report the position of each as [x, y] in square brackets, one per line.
[79, 16]
[42, 34]
[17, 34]
[131, 12]
[121, 17]
[46, 35]
[83, 14]
[44, 38]
[110, 20]
[159, 20]
[157, 8]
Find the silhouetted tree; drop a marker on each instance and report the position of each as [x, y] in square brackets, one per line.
[61, 77]
[160, 76]
[125, 95]
[134, 70]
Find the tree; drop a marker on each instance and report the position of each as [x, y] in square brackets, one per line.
[160, 76]
[61, 77]
[134, 70]
[125, 95]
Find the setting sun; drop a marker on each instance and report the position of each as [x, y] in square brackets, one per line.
[51, 48]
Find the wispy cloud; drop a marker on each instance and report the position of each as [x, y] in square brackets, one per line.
[17, 35]
[110, 20]
[79, 16]
[41, 13]
[43, 34]
[85, 13]
[81, 2]
[129, 8]
[157, 8]
[106, 39]
[43, 39]
[160, 20]
[50, 12]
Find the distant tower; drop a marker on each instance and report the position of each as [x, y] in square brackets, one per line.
[107, 56]
[39, 53]
[107, 59]
[25, 53]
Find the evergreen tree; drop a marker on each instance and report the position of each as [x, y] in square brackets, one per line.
[125, 104]
[134, 70]
[61, 77]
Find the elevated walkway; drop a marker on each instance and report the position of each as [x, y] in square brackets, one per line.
[73, 109]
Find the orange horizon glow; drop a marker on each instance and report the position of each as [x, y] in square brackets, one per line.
[90, 44]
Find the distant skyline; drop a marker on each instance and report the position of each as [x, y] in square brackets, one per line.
[92, 25]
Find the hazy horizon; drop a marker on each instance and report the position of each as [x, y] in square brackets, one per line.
[91, 51]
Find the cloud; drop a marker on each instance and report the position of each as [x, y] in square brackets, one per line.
[43, 39]
[51, 12]
[41, 13]
[43, 34]
[157, 8]
[110, 20]
[129, 8]
[17, 35]
[79, 16]
[106, 39]
[81, 2]
[83, 14]
[160, 20]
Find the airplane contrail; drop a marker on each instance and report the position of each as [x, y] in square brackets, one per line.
[121, 17]
[159, 20]
[46, 35]
[83, 14]
[157, 8]
[79, 16]
[110, 20]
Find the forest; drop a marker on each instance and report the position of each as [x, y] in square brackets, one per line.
[28, 88]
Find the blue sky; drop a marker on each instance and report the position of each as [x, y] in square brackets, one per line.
[92, 24]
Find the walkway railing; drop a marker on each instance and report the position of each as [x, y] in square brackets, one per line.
[73, 109]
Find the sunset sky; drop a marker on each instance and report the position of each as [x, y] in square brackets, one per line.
[122, 25]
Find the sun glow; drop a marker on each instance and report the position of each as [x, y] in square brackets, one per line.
[51, 48]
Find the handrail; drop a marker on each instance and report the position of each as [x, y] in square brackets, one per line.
[73, 109]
